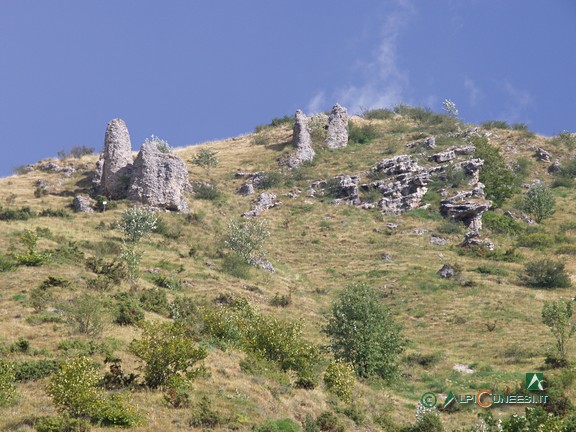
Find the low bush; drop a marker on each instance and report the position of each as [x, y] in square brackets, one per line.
[166, 351]
[31, 370]
[155, 300]
[87, 314]
[7, 383]
[545, 273]
[169, 282]
[12, 214]
[536, 240]
[339, 379]
[113, 269]
[206, 191]
[329, 422]
[128, 311]
[204, 416]
[501, 224]
[62, 423]
[54, 213]
[183, 309]
[495, 124]
[6, 264]
[282, 425]
[377, 114]
[362, 134]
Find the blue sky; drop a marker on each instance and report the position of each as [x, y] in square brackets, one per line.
[190, 71]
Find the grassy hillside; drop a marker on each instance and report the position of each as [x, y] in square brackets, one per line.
[485, 319]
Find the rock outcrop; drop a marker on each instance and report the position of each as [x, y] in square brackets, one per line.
[428, 143]
[337, 134]
[265, 201]
[542, 155]
[82, 204]
[159, 179]
[116, 160]
[302, 141]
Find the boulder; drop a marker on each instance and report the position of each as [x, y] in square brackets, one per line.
[265, 201]
[246, 189]
[83, 204]
[428, 143]
[337, 134]
[116, 160]
[466, 209]
[446, 272]
[473, 239]
[542, 155]
[262, 264]
[444, 156]
[302, 141]
[159, 179]
[554, 166]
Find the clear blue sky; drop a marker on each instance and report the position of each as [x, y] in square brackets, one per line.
[195, 70]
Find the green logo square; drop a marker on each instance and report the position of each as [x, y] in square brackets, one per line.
[535, 381]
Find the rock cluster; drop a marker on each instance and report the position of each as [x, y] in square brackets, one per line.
[451, 153]
[156, 178]
[302, 141]
[542, 155]
[265, 201]
[82, 204]
[428, 143]
[337, 134]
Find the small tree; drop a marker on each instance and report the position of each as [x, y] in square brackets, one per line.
[539, 202]
[167, 351]
[247, 237]
[557, 316]
[546, 273]
[450, 108]
[137, 223]
[206, 159]
[363, 332]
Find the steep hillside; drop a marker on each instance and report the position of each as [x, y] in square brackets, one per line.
[484, 318]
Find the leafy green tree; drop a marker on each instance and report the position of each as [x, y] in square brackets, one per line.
[167, 351]
[539, 202]
[557, 316]
[247, 237]
[137, 223]
[498, 178]
[363, 332]
[206, 159]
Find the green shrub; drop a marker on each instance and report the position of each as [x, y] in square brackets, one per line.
[270, 179]
[545, 273]
[247, 237]
[168, 282]
[329, 422]
[203, 415]
[498, 178]
[536, 240]
[32, 257]
[486, 269]
[206, 159]
[495, 124]
[166, 351]
[87, 314]
[129, 311]
[116, 410]
[206, 191]
[377, 114]
[539, 202]
[155, 300]
[31, 370]
[451, 226]
[363, 332]
[228, 324]
[565, 138]
[281, 300]
[283, 425]
[62, 423]
[183, 309]
[362, 134]
[73, 387]
[501, 224]
[136, 223]
[339, 379]
[114, 270]
[424, 360]
[177, 393]
[22, 345]
[160, 144]
[54, 213]
[557, 316]
[7, 383]
[11, 214]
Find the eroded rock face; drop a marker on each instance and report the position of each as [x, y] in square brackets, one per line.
[82, 204]
[159, 179]
[466, 208]
[337, 134]
[428, 143]
[265, 201]
[116, 160]
[302, 141]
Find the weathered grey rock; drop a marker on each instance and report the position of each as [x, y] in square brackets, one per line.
[97, 176]
[473, 239]
[466, 209]
[397, 165]
[387, 257]
[82, 204]
[117, 160]
[246, 189]
[159, 179]
[348, 188]
[337, 134]
[67, 171]
[555, 166]
[263, 264]
[437, 241]
[391, 226]
[265, 201]
[428, 143]
[444, 156]
[464, 150]
[50, 167]
[471, 167]
[446, 272]
[521, 216]
[543, 155]
[302, 141]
